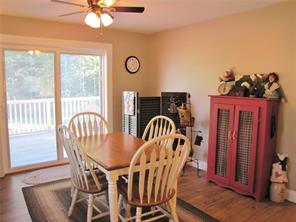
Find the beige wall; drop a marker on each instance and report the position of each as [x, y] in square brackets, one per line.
[124, 44]
[191, 58]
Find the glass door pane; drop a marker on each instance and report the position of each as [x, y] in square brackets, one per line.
[81, 88]
[80, 85]
[30, 106]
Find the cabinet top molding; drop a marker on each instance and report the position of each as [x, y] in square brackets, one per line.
[246, 98]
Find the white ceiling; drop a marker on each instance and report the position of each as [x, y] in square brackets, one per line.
[159, 15]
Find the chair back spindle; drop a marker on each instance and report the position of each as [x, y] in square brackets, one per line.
[87, 124]
[158, 126]
[156, 166]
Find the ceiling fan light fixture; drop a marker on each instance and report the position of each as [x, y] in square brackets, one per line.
[106, 19]
[98, 11]
[92, 20]
[107, 3]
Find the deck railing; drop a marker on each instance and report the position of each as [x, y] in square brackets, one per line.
[25, 116]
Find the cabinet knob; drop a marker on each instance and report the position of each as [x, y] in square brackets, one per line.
[234, 135]
[229, 135]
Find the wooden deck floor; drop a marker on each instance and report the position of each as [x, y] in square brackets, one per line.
[224, 204]
[33, 148]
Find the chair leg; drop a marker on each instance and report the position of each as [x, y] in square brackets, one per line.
[120, 201]
[173, 211]
[139, 214]
[74, 198]
[127, 211]
[107, 197]
[72, 190]
[183, 170]
[152, 209]
[90, 207]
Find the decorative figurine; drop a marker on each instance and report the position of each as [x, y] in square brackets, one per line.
[257, 89]
[279, 178]
[272, 87]
[254, 85]
[185, 115]
[173, 105]
[227, 76]
[226, 82]
[242, 86]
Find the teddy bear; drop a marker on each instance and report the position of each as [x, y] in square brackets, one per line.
[227, 76]
[241, 86]
[226, 82]
[249, 86]
[257, 89]
[279, 169]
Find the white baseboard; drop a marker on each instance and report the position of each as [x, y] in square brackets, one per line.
[203, 166]
[291, 196]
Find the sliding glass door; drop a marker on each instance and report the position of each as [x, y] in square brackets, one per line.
[30, 106]
[80, 84]
[44, 89]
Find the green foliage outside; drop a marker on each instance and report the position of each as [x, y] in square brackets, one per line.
[28, 76]
[31, 76]
[80, 75]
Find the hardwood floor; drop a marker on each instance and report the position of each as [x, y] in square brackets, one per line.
[223, 204]
[12, 204]
[228, 206]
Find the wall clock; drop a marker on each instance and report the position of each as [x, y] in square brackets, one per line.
[132, 64]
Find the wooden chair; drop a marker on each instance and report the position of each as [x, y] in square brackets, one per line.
[153, 175]
[158, 126]
[88, 123]
[83, 181]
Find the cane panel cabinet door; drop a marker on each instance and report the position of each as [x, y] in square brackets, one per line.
[221, 131]
[242, 143]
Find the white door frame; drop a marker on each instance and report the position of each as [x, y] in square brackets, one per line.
[58, 46]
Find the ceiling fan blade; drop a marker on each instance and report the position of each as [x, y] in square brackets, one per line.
[71, 13]
[68, 3]
[128, 9]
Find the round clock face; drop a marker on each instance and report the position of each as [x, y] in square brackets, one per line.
[132, 64]
[224, 88]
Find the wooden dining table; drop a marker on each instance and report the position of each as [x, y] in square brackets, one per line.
[112, 153]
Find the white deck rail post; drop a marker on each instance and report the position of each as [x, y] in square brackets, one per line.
[38, 114]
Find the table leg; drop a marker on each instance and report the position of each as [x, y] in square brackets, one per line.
[112, 178]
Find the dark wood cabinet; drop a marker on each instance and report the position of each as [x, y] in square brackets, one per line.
[242, 143]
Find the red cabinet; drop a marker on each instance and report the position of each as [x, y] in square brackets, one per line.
[242, 143]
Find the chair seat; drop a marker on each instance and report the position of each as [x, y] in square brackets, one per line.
[92, 186]
[123, 189]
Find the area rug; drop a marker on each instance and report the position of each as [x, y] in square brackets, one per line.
[49, 202]
[47, 175]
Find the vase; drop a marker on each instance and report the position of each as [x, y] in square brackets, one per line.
[278, 192]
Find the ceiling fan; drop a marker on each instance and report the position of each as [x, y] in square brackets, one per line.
[98, 11]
